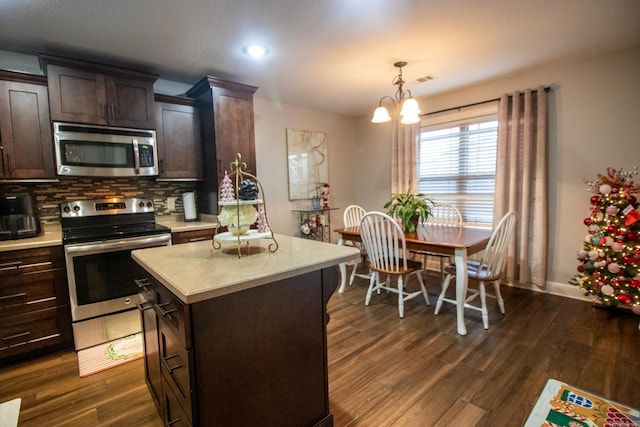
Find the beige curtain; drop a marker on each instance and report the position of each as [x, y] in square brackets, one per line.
[404, 157]
[521, 182]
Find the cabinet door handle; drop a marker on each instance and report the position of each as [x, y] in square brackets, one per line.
[8, 297]
[197, 239]
[10, 169]
[174, 421]
[165, 362]
[10, 265]
[113, 111]
[104, 111]
[11, 337]
[144, 306]
[163, 312]
[142, 283]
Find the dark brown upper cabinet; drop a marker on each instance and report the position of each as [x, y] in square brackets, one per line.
[179, 136]
[227, 123]
[26, 146]
[86, 92]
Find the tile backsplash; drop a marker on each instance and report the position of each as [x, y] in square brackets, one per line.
[50, 195]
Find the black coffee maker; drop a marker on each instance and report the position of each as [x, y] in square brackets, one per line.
[18, 217]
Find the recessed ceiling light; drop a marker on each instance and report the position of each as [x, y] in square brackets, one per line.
[255, 50]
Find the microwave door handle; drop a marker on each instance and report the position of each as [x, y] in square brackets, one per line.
[136, 156]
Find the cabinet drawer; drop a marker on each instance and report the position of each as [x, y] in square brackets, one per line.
[176, 364]
[167, 306]
[33, 331]
[30, 260]
[30, 292]
[192, 236]
[174, 314]
[174, 416]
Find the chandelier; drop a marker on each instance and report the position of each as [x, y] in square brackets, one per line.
[409, 109]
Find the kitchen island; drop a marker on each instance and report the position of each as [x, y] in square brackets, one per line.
[239, 341]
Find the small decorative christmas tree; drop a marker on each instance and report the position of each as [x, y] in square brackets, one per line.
[262, 224]
[609, 266]
[227, 194]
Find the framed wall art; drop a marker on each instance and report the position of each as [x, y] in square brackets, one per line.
[308, 163]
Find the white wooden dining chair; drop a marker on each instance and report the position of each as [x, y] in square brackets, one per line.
[488, 270]
[445, 215]
[352, 216]
[386, 248]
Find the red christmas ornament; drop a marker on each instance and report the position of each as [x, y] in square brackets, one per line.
[612, 229]
[632, 200]
[587, 221]
[624, 298]
[634, 283]
[580, 269]
[631, 236]
[595, 200]
[627, 259]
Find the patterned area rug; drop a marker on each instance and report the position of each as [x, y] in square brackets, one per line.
[562, 405]
[106, 356]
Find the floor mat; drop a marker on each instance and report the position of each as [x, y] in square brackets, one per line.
[106, 356]
[563, 405]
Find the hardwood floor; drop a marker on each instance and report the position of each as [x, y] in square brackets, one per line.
[386, 371]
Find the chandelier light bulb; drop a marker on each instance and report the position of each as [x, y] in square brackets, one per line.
[381, 115]
[410, 108]
[409, 119]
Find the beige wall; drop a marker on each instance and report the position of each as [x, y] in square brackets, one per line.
[271, 123]
[594, 123]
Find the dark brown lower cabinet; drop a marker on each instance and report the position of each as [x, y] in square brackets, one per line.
[34, 303]
[255, 357]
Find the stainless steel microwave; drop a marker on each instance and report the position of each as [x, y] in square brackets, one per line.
[87, 150]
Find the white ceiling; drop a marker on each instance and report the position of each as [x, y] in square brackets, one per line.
[333, 55]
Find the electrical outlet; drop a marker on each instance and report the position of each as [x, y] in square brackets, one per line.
[171, 203]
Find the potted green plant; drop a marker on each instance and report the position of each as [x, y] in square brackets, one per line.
[409, 208]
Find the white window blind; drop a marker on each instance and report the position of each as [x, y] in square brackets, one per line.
[457, 161]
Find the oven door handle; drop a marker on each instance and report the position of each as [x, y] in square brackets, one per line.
[110, 245]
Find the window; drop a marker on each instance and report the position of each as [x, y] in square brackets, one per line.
[457, 161]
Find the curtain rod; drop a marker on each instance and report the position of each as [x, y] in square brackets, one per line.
[546, 89]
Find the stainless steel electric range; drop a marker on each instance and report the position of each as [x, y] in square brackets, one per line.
[98, 237]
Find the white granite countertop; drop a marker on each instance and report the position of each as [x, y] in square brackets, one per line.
[196, 271]
[177, 223]
[51, 236]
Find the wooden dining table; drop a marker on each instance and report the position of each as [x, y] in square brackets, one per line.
[458, 242]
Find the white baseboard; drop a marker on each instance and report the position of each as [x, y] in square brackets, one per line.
[557, 288]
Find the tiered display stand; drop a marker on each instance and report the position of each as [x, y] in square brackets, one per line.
[238, 233]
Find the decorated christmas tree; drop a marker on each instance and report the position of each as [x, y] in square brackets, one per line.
[609, 266]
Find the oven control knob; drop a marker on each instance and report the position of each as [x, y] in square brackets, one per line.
[149, 204]
[141, 204]
[76, 208]
[66, 209]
